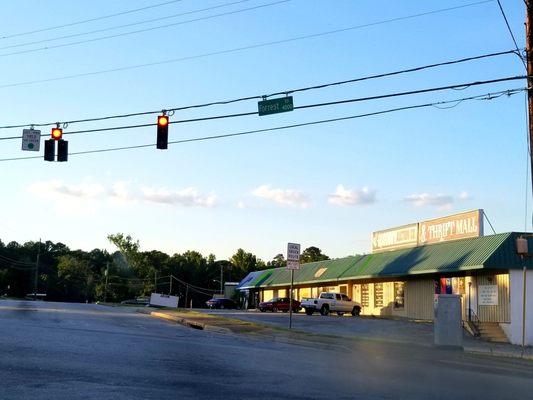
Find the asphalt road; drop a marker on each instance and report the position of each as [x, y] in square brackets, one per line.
[78, 351]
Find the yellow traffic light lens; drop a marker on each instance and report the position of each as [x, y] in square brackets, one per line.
[162, 120]
[57, 133]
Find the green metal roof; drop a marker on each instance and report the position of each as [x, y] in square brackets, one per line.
[486, 252]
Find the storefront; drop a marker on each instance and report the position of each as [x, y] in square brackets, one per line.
[486, 271]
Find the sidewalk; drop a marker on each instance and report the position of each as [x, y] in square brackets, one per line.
[241, 323]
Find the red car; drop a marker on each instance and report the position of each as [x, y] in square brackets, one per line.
[279, 303]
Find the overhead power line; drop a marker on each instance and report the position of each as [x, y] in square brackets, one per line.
[489, 96]
[258, 97]
[325, 104]
[84, 21]
[112, 28]
[143, 30]
[511, 33]
[237, 49]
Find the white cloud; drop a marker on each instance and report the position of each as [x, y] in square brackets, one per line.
[240, 204]
[119, 192]
[352, 197]
[288, 197]
[441, 201]
[188, 197]
[86, 189]
[463, 196]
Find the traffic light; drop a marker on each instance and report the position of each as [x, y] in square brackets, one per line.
[62, 150]
[49, 150]
[162, 132]
[57, 133]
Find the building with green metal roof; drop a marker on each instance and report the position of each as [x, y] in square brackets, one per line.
[485, 271]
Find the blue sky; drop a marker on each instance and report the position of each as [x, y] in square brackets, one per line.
[325, 185]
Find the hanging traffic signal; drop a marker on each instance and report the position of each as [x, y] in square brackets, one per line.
[57, 133]
[62, 150]
[49, 150]
[162, 132]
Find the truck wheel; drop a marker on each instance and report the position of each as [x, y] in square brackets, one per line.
[340, 314]
[356, 311]
[274, 309]
[324, 310]
[309, 311]
[262, 310]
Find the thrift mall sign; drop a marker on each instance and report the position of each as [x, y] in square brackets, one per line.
[458, 226]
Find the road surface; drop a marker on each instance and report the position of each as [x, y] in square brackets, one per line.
[79, 351]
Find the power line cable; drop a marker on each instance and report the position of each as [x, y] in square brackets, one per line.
[511, 33]
[51, 28]
[142, 30]
[146, 21]
[191, 285]
[234, 50]
[490, 96]
[5, 258]
[256, 97]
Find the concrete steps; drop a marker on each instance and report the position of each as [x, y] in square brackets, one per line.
[492, 332]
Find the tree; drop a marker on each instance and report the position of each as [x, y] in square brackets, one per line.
[244, 263]
[76, 278]
[277, 262]
[312, 254]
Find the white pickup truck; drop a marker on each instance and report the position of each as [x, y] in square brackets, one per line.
[331, 302]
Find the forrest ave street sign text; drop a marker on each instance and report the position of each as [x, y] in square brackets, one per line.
[275, 106]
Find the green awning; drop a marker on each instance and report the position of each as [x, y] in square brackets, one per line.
[486, 252]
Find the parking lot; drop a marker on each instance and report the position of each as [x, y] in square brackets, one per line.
[391, 330]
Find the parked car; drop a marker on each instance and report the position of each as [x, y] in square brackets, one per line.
[279, 303]
[331, 302]
[221, 304]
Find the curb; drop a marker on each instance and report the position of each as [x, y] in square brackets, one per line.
[185, 322]
[498, 353]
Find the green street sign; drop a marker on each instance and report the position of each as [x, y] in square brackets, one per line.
[275, 106]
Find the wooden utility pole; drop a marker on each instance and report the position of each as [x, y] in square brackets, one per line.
[36, 277]
[529, 61]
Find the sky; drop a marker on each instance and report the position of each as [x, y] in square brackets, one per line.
[327, 185]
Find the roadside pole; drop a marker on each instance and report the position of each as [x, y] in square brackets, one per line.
[529, 62]
[290, 301]
[524, 308]
[293, 262]
[36, 279]
[170, 290]
[106, 276]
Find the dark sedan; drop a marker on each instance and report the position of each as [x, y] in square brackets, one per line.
[221, 303]
[279, 303]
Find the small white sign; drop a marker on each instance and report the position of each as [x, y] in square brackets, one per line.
[31, 139]
[164, 300]
[488, 295]
[293, 256]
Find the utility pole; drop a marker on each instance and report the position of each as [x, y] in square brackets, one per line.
[171, 277]
[36, 280]
[221, 277]
[106, 276]
[529, 61]
[155, 281]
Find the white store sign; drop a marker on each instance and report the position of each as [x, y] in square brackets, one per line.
[487, 295]
[163, 300]
[293, 256]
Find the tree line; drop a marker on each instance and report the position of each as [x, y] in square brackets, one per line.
[62, 274]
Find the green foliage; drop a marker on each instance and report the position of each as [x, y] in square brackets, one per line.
[312, 254]
[77, 275]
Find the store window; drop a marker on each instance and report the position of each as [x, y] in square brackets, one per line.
[365, 300]
[399, 295]
[378, 294]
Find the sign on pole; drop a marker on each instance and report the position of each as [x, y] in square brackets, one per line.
[31, 139]
[293, 256]
[275, 106]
